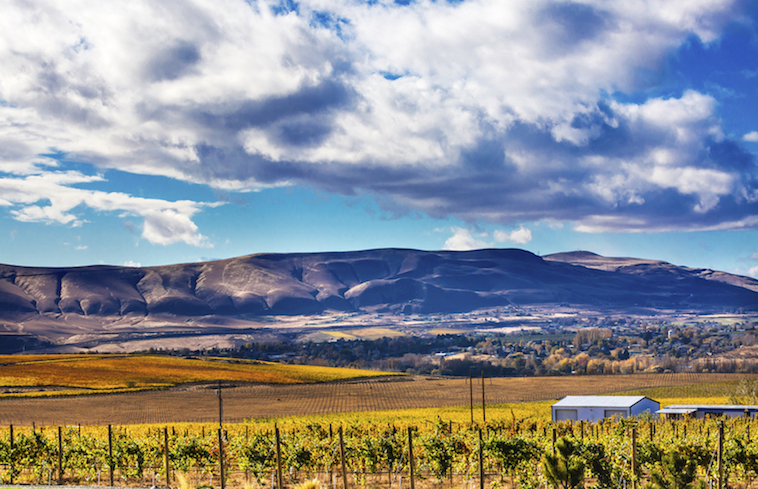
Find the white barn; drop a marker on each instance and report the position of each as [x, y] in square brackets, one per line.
[595, 408]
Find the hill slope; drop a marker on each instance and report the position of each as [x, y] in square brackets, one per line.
[389, 280]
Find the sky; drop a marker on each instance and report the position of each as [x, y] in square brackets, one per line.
[144, 133]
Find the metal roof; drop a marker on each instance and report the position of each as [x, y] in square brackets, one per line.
[600, 401]
[671, 410]
[714, 407]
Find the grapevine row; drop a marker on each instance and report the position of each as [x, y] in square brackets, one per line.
[517, 453]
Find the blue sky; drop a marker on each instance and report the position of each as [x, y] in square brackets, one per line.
[148, 133]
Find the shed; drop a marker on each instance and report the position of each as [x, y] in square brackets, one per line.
[703, 410]
[595, 408]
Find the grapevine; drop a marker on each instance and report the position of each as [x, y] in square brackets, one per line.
[514, 452]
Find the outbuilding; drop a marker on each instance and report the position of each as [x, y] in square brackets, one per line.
[595, 408]
[706, 410]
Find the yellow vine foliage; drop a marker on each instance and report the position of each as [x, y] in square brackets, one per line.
[123, 373]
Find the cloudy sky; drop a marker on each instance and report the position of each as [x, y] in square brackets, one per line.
[147, 132]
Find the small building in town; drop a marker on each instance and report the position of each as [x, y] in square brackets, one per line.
[675, 411]
[595, 408]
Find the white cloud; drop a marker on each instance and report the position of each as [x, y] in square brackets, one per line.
[753, 271]
[131, 263]
[751, 137]
[520, 236]
[463, 240]
[47, 197]
[510, 96]
[167, 226]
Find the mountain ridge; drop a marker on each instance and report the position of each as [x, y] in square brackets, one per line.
[391, 280]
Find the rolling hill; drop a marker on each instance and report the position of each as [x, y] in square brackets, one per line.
[68, 301]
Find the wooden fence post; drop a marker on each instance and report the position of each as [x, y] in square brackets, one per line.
[410, 456]
[721, 455]
[11, 454]
[60, 456]
[481, 461]
[331, 440]
[221, 456]
[634, 458]
[342, 460]
[471, 396]
[165, 456]
[484, 404]
[279, 482]
[247, 441]
[110, 455]
[555, 436]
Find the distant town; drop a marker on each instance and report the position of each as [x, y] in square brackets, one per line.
[559, 345]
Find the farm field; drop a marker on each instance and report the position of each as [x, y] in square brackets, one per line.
[54, 375]
[198, 402]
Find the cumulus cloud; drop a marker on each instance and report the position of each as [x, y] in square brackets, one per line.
[520, 236]
[752, 137]
[49, 197]
[463, 240]
[485, 110]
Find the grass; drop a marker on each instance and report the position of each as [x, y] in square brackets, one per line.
[78, 374]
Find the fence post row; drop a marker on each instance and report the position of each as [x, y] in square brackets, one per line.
[635, 480]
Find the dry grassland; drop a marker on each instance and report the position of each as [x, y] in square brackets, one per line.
[200, 404]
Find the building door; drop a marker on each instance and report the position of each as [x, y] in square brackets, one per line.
[565, 414]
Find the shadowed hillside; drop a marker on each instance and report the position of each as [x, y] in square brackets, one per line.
[387, 280]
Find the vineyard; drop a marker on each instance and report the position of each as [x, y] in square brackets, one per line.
[65, 375]
[521, 452]
[197, 403]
